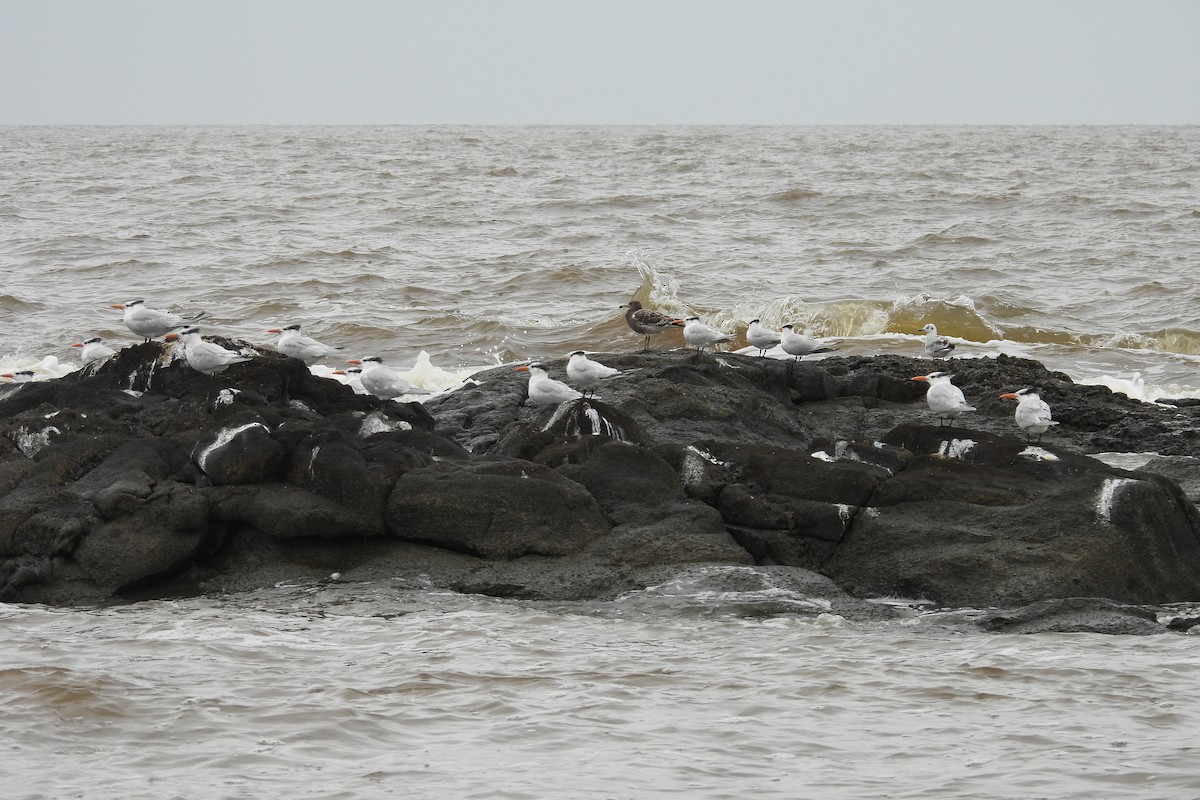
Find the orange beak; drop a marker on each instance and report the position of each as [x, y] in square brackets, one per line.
[77, 344]
[339, 372]
[1009, 396]
[170, 337]
[6, 374]
[920, 378]
[522, 368]
[274, 330]
[679, 322]
[354, 361]
[118, 307]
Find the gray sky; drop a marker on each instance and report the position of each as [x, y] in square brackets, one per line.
[599, 61]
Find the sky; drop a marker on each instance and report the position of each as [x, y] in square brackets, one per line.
[803, 62]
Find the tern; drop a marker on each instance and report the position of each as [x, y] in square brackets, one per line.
[647, 322]
[150, 323]
[544, 390]
[944, 398]
[207, 357]
[762, 338]
[1033, 413]
[701, 336]
[588, 374]
[94, 349]
[383, 382]
[20, 376]
[936, 346]
[799, 345]
[295, 344]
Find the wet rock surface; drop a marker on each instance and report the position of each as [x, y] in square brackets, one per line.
[138, 476]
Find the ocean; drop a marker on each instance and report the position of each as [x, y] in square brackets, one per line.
[448, 249]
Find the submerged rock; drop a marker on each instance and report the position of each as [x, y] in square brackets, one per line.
[138, 475]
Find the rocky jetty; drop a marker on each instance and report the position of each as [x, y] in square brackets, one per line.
[139, 477]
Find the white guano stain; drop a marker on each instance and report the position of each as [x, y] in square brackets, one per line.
[1107, 498]
[693, 470]
[955, 448]
[225, 397]
[30, 443]
[1038, 454]
[223, 438]
[821, 455]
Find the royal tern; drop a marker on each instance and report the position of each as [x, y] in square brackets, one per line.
[295, 344]
[207, 357]
[944, 398]
[352, 378]
[936, 346]
[544, 390]
[588, 374]
[1033, 413]
[150, 323]
[762, 338]
[383, 382]
[799, 345]
[700, 336]
[94, 349]
[647, 322]
[20, 376]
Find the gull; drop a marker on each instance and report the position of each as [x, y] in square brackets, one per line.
[1033, 413]
[762, 338]
[150, 323]
[94, 349]
[799, 345]
[647, 322]
[383, 382]
[944, 398]
[587, 374]
[295, 344]
[207, 357]
[544, 390]
[700, 336]
[936, 346]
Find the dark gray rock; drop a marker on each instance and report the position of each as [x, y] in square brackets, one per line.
[494, 509]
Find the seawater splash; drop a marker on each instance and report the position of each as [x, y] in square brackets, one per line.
[658, 289]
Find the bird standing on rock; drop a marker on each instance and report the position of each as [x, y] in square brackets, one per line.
[295, 344]
[647, 322]
[544, 390]
[762, 338]
[799, 345]
[701, 336]
[94, 349]
[944, 398]
[1033, 413]
[936, 346]
[150, 323]
[588, 374]
[207, 357]
[383, 382]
